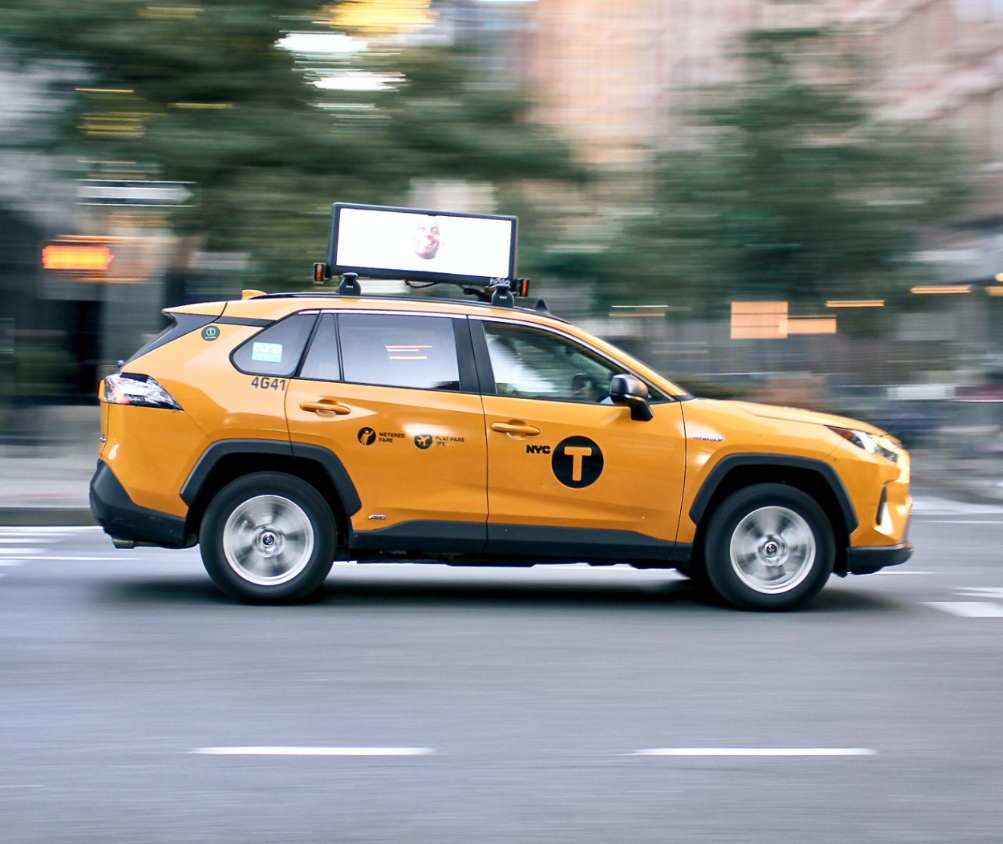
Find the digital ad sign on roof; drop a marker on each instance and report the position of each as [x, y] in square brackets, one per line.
[378, 241]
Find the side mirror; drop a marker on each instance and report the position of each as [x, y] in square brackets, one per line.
[628, 391]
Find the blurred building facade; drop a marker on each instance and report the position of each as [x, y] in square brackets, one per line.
[619, 78]
[941, 64]
[616, 75]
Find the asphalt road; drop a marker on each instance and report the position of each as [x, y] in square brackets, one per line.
[425, 704]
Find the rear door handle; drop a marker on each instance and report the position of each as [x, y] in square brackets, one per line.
[515, 428]
[325, 406]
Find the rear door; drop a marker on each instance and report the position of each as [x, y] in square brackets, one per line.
[394, 396]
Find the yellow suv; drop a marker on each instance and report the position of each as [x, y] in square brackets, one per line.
[284, 431]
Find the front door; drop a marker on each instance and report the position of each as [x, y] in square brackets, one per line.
[383, 392]
[569, 473]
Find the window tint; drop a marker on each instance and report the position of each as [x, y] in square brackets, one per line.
[399, 351]
[323, 363]
[276, 350]
[539, 365]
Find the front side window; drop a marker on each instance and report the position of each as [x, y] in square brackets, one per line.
[276, 350]
[399, 351]
[535, 364]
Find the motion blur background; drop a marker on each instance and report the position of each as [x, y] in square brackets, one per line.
[791, 202]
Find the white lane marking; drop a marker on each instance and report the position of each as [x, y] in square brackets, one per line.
[15, 540]
[981, 591]
[755, 751]
[931, 505]
[11, 562]
[314, 751]
[968, 609]
[62, 559]
[20, 551]
[47, 531]
[892, 571]
[960, 522]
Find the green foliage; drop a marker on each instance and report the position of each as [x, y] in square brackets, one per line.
[200, 93]
[791, 187]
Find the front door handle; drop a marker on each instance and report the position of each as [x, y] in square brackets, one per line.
[325, 406]
[519, 428]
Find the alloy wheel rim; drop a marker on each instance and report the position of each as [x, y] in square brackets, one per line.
[268, 540]
[773, 550]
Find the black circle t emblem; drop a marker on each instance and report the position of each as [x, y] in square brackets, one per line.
[577, 462]
[367, 436]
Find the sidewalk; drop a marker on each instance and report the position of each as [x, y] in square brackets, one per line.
[45, 473]
[45, 482]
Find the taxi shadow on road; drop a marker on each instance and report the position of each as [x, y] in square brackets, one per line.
[497, 588]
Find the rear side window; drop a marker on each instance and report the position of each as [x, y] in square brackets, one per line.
[276, 350]
[399, 351]
[323, 361]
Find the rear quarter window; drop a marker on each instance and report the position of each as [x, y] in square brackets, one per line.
[277, 349]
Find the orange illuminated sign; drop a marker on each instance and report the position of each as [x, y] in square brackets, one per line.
[77, 258]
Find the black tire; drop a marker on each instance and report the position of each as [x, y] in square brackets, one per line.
[769, 547]
[268, 538]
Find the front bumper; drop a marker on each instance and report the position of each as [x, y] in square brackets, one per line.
[115, 511]
[870, 560]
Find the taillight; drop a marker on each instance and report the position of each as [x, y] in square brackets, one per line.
[138, 390]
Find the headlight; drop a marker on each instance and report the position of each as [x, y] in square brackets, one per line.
[139, 390]
[863, 440]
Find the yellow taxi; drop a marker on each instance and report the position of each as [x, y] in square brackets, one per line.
[281, 432]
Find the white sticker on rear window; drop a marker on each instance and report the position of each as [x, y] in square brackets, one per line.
[268, 352]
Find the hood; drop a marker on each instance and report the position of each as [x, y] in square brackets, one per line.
[794, 414]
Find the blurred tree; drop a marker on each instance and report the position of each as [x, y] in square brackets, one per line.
[789, 187]
[201, 93]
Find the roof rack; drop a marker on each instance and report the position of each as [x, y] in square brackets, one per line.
[351, 289]
[500, 292]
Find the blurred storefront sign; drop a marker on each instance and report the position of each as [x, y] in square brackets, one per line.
[758, 320]
[77, 257]
[134, 192]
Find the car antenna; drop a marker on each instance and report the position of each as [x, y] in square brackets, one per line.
[542, 309]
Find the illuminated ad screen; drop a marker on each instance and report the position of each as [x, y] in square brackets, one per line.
[381, 242]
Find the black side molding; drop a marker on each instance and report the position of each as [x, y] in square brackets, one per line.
[734, 461]
[477, 543]
[581, 544]
[327, 459]
[432, 537]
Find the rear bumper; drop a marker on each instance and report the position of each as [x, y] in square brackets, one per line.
[870, 560]
[122, 519]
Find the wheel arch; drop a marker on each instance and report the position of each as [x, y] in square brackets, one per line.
[227, 460]
[813, 477]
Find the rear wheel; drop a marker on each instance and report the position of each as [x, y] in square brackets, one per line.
[268, 538]
[769, 547]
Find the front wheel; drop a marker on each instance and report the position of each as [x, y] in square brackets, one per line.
[268, 538]
[769, 547]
